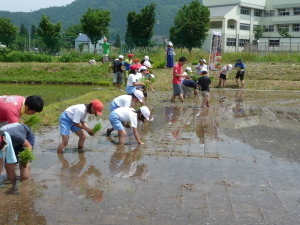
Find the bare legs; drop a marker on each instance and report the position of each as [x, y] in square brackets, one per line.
[65, 140]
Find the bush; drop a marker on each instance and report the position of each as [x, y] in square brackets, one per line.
[159, 65]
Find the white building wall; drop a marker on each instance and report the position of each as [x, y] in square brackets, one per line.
[229, 24]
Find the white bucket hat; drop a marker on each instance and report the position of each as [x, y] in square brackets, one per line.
[145, 111]
[139, 94]
[189, 69]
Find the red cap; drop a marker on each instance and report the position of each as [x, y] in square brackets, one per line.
[98, 106]
[136, 60]
[130, 55]
[134, 67]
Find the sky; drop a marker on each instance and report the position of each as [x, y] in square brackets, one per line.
[30, 5]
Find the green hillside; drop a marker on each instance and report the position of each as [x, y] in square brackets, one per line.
[70, 14]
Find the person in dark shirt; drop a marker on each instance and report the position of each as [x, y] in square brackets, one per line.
[204, 82]
[187, 84]
[15, 137]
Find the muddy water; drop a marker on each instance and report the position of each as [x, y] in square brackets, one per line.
[234, 163]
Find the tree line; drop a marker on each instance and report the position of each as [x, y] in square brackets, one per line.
[190, 28]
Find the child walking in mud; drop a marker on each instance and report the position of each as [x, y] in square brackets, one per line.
[74, 119]
[204, 82]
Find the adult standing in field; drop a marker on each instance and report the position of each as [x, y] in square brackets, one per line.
[224, 74]
[106, 50]
[15, 137]
[12, 107]
[176, 81]
[128, 117]
[74, 119]
[120, 70]
[128, 101]
[170, 55]
[204, 82]
[240, 67]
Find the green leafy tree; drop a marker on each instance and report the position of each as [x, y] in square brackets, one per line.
[71, 34]
[284, 33]
[95, 24]
[258, 32]
[191, 25]
[8, 32]
[50, 34]
[140, 27]
[23, 31]
[117, 43]
[33, 31]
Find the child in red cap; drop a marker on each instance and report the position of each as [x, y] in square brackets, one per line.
[74, 119]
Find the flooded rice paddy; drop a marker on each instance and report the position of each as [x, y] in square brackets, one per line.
[236, 162]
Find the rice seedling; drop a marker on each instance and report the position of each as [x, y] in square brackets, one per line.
[96, 128]
[26, 156]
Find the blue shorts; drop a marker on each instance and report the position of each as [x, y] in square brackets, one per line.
[113, 106]
[115, 121]
[66, 124]
[130, 89]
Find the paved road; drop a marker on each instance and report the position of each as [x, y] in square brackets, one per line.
[234, 163]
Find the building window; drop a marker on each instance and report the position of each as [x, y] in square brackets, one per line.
[268, 28]
[296, 27]
[283, 26]
[245, 11]
[257, 13]
[231, 42]
[244, 26]
[284, 12]
[269, 13]
[273, 43]
[243, 41]
[296, 11]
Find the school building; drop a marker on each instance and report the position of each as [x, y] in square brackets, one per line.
[236, 19]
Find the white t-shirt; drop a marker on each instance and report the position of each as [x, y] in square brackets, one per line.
[139, 77]
[199, 68]
[127, 115]
[77, 113]
[131, 79]
[224, 70]
[123, 100]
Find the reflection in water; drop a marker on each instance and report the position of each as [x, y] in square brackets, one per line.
[239, 109]
[75, 178]
[124, 163]
[173, 113]
[17, 203]
[205, 125]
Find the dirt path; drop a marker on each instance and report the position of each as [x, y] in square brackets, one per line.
[234, 163]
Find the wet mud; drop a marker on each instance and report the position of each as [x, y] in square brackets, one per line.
[236, 162]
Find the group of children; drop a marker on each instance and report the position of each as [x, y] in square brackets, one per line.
[16, 137]
[125, 112]
[135, 74]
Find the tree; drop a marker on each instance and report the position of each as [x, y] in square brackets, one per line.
[258, 32]
[140, 27]
[284, 33]
[50, 34]
[8, 32]
[191, 25]
[33, 31]
[118, 41]
[95, 24]
[71, 34]
[23, 31]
